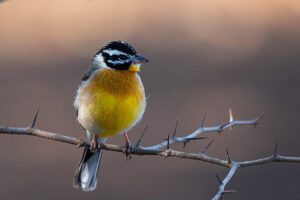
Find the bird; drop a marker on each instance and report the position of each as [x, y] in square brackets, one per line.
[110, 100]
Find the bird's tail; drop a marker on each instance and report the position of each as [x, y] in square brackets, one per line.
[86, 173]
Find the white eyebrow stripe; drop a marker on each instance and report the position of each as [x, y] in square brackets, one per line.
[114, 52]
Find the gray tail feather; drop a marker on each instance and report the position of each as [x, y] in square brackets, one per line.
[86, 173]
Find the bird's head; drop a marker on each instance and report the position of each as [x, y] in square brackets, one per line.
[118, 55]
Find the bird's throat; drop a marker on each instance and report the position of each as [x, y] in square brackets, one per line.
[134, 68]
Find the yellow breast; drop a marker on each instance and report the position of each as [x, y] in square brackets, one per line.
[111, 101]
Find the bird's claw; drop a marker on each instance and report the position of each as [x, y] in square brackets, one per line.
[128, 147]
[94, 144]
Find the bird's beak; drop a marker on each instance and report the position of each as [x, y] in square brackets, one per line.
[136, 62]
[138, 59]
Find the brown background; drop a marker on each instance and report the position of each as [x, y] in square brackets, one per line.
[206, 56]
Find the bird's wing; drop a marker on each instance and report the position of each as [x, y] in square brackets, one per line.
[84, 78]
[86, 75]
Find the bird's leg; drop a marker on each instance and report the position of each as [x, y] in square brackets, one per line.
[128, 147]
[94, 144]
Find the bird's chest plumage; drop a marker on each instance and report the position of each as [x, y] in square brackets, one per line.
[110, 101]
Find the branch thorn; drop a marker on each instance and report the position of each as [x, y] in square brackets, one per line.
[260, 117]
[175, 129]
[228, 156]
[35, 118]
[220, 181]
[187, 140]
[142, 135]
[203, 120]
[168, 142]
[275, 151]
[206, 148]
[256, 121]
[229, 191]
[230, 118]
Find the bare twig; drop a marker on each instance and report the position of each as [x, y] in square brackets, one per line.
[141, 150]
[204, 129]
[158, 150]
[223, 183]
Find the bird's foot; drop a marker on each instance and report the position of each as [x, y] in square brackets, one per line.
[94, 144]
[128, 147]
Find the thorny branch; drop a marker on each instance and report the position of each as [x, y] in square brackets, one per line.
[204, 129]
[163, 149]
[223, 183]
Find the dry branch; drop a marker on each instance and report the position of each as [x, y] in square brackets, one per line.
[163, 149]
[223, 183]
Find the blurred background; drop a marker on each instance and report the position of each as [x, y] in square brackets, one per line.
[206, 57]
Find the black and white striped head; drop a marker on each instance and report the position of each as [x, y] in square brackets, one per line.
[119, 55]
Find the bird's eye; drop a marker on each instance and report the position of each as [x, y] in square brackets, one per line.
[123, 57]
[114, 57]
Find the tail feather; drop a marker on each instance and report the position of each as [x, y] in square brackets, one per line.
[87, 171]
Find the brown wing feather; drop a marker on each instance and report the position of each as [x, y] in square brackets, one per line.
[86, 76]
